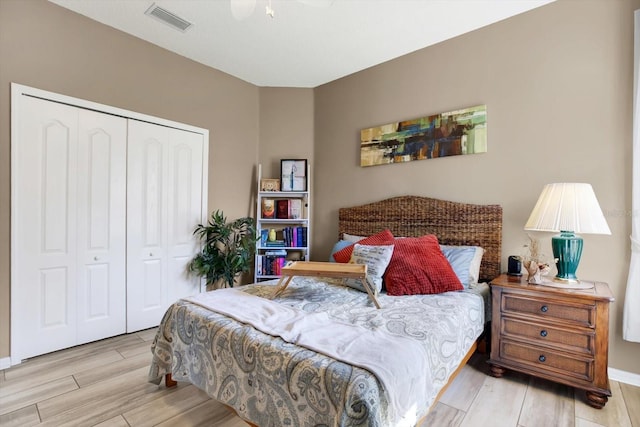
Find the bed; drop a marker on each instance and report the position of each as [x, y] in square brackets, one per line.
[269, 380]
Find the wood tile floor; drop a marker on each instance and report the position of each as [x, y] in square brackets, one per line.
[104, 384]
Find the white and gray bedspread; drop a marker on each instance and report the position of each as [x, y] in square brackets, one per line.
[271, 382]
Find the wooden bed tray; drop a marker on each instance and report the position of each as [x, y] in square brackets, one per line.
[323, 269]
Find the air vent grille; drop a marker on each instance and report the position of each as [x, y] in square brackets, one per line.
[168, 18]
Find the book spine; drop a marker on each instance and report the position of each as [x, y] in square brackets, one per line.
[296, 208]
[287, 236]
[283, 209]
[268, 208]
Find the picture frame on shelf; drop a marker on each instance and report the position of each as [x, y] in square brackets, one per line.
[269, 184]
[293, 175]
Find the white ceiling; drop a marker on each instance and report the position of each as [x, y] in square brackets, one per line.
[303, 45]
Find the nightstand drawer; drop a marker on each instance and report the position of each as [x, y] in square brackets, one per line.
[545, 359]
[580, 342]
[577, 314]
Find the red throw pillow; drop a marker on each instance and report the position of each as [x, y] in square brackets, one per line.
[382, 238]
[418, 266]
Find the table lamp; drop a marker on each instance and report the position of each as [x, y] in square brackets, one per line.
[567, 208]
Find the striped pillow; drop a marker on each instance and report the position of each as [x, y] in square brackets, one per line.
[382, 238]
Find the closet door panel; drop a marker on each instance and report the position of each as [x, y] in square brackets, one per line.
[165, 173]
[101, 226]
[43, 229]
[185, 209]
[147, 279]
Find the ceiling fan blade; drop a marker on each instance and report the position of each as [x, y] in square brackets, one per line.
[242, 9]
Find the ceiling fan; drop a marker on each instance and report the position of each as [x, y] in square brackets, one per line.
[242, 9]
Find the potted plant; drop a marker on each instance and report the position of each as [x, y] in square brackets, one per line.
[227, 249]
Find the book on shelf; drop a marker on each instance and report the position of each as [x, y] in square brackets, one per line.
[295, 208]
[283, 208]
[295, 236]
[270, 265]
[268, 208]
[276, 252]
[259, 265]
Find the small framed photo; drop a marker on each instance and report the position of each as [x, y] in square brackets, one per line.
[293, 175]
[268, 184]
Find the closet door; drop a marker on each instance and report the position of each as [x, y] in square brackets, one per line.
[164, 204]
[68, 227]
[44, 256]
[184, 201]
[101, 272]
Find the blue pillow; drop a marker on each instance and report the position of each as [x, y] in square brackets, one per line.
[340, 244]
[463, 263]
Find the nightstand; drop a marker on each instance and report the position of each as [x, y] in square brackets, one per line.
[558, 334]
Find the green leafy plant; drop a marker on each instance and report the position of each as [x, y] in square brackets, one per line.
[227, 249]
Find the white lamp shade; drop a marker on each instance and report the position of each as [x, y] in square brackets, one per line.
[568, 207]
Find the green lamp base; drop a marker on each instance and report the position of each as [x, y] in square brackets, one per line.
[567, 249]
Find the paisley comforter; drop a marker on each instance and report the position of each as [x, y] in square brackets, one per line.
[270, 382]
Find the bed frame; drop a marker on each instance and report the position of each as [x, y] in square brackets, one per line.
[413, 216]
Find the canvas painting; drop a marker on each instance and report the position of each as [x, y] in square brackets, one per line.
[446, 134]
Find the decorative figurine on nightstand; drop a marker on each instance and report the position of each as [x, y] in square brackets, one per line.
[536, 270]
[533, 262]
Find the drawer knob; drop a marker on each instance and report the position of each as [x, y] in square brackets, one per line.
[543, 333]
[542, 358]
[544, 309]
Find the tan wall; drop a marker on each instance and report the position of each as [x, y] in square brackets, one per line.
[557, 82]
[286, 127]
[48, 47]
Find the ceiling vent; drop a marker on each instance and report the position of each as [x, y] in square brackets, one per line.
[168, 18]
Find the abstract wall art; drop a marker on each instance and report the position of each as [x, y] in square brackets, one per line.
[446, 134]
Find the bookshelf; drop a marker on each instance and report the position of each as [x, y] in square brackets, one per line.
[283, 225]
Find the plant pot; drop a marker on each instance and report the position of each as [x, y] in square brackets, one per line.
[221, 283]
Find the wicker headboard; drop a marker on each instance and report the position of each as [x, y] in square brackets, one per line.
[413, 216]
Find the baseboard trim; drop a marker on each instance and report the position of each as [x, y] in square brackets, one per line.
[5, 363]
[624, 377]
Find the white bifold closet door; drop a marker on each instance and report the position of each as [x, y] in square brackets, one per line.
[103, 207]
[164, 204]
[69, 235]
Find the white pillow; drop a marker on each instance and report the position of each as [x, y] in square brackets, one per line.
[376, 258]
[465, 261]
[352, 238]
